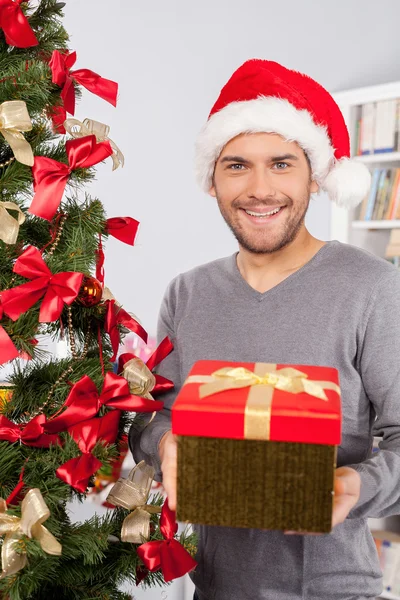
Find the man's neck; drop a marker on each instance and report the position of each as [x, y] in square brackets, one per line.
[264, 271]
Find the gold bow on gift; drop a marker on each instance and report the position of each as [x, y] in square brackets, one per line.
[34, 512]
[9, 226]
[262, 383]
[101, 131]
[14, 118]
[133, 493]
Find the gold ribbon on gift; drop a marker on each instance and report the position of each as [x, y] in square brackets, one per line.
[9, 226]
[262, 381]
[133, 493]
[34, 512]
[90, 127]
[14, 118]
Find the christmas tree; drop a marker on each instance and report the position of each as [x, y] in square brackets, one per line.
[62, 420]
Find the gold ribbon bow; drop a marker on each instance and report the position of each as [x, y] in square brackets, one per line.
[262, 383]
[139, 377]
[133, 493]
[90, 127]
[34, 512]
[9, 226]
[14, 118]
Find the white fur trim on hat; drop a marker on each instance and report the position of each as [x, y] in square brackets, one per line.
[346, 181]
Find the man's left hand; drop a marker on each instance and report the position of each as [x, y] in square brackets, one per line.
[347, 487]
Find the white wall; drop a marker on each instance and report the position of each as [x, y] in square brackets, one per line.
[171, 59]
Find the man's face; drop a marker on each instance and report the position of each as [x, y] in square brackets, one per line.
[259, 174]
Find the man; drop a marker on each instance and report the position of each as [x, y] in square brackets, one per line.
[273, 138]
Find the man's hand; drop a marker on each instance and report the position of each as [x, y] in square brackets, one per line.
[168, 455]
[347, 489]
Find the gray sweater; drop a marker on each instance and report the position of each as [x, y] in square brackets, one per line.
[341, 309]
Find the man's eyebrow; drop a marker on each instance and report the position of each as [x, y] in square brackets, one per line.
[240, 159]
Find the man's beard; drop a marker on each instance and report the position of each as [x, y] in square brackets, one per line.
[265, 245]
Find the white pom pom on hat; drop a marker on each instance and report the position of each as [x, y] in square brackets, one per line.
[264, 96]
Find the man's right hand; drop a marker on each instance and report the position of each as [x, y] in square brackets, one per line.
[168, 455]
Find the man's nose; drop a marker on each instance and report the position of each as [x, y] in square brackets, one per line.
[261, 185]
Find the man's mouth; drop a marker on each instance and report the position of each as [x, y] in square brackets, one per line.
[263, 214]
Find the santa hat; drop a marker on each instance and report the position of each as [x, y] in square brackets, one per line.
[264, 96]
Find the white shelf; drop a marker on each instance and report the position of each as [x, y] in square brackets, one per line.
[383, 157]
[387, 224]
[389, 596]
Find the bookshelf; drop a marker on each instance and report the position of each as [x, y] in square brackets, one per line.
[370, 235]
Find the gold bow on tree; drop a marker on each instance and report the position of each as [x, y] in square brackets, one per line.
[139, 377]
[89, 127]
[133, 493]
[34, 512]
[14, 118]
[9, 226]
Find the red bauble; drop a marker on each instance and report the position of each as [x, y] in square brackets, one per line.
[90, 293]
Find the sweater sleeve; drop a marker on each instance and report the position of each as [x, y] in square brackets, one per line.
[144, 440]
[379, 366]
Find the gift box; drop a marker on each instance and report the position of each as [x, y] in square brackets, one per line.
[257, 445]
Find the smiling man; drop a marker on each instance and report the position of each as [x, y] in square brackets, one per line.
[273, 138]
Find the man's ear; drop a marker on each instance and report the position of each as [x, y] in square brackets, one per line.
[212, 191]
[314, 187]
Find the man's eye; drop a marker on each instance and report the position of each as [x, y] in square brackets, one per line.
[236, 167]
[281, 166]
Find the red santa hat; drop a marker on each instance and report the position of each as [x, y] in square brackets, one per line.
[264, 96]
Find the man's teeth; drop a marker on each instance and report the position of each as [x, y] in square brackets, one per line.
[267, 214]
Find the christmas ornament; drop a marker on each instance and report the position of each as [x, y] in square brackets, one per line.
[133, 493]
[15, 26]
[60, 65]
[34, 512]
[51, 176]
[90, 293]
[78, 129]
[14, 118]
[9, 225]
[58, 289]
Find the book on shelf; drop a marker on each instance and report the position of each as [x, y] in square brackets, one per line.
[377, 127]
[388, 548]
[383, 200]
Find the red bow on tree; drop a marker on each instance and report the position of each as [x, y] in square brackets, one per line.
[84, 401]
[57, 114]
[51, 176]
[30, 434]
[115, 316]
[15, 26]
[7, 349]
[123, 228]
[61, 64]
[58, 289]
[77, 471]
[162, 383]
[168, 554]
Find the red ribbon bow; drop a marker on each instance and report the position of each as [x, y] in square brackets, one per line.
[51, 176]
[58, 289]
[30, 434]
[162, 383]
[7, 349]
[77, 471]
[123, 228]
[115, 316]
[168, 555]
[84, 401]
[15, 26]
[61, 64]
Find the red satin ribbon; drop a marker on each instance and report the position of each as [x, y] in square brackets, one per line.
[100, 261]
[30, 434]
[50, 176]
[123, 228]
[77, 471]
[57, 290]
[7, 349]
[61, 64]
[168, 555]
[57, 114]
[164, 348]
[15, 497]
[15, 26]
[84, 401]
[115, 316]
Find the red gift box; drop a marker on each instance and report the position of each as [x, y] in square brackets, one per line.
[293, 403]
